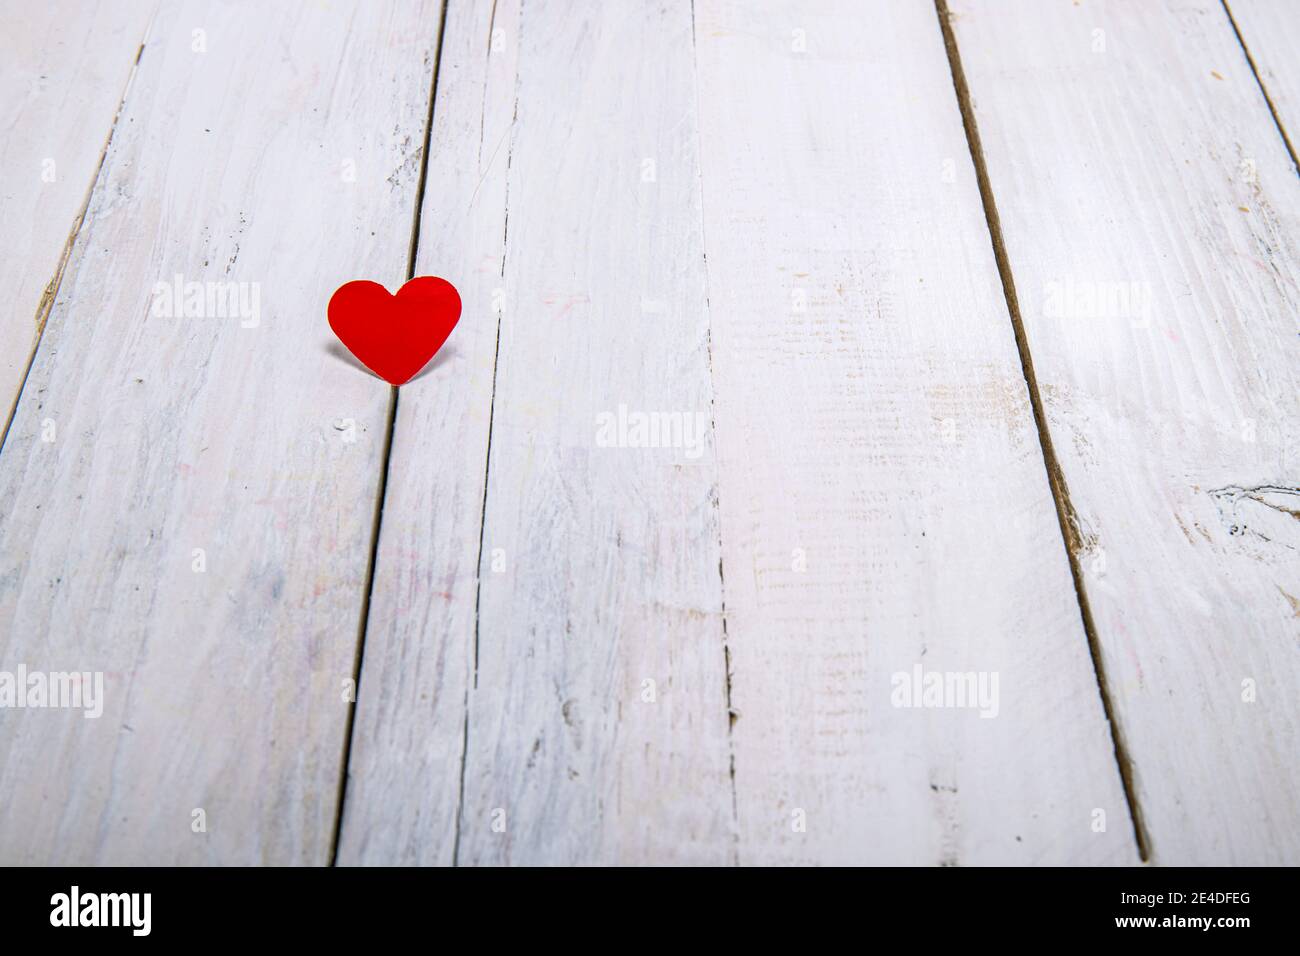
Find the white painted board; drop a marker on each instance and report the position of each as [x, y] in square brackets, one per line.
[1151, 213]
[885, 508]
[188, 498]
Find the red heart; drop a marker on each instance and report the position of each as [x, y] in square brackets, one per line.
[395, 335]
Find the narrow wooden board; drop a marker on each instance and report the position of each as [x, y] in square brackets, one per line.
[64, 67]
[884, 502]
[1270, 31]
[1150, 213]
[403, 790]
[564, 187]
[277, 146]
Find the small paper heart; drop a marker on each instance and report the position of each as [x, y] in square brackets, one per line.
[395, 335]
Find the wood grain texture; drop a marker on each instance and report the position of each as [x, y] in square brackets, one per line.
[403, 788]
[277, 146]
[1270, 31]
[883, 496]
[64, 66]
[566, 134]
[1150, 214]
[732, 434]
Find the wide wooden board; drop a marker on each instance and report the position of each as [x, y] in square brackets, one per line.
[189, 496]
[885, 508]
[1150, 213]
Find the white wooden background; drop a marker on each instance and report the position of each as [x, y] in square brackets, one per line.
[987, 310]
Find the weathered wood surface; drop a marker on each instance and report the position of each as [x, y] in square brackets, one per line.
[64, 66]
[403, 792]
[758, 222]
[279, 148]
[564, 182]
[883, 496]
[609, 556]
[1150, 213]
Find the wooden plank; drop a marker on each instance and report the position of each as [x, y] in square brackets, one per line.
[1150, 213]
[197, 524]
[884, 503]
[63, 68]
[1270, 32]
[567, 138]
[403, 789]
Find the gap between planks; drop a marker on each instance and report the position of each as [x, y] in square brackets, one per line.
[1272, 107]
[46, 305]
[492, 407]
[717, 503]
[1056, 478]
[482, 527]
[389, 428]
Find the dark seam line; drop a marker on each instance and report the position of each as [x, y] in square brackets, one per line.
[492, 407]
[1055, 477]
[46, 305]
[1277, 119]
[478, 591]
[382, 490]
[717, 495]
